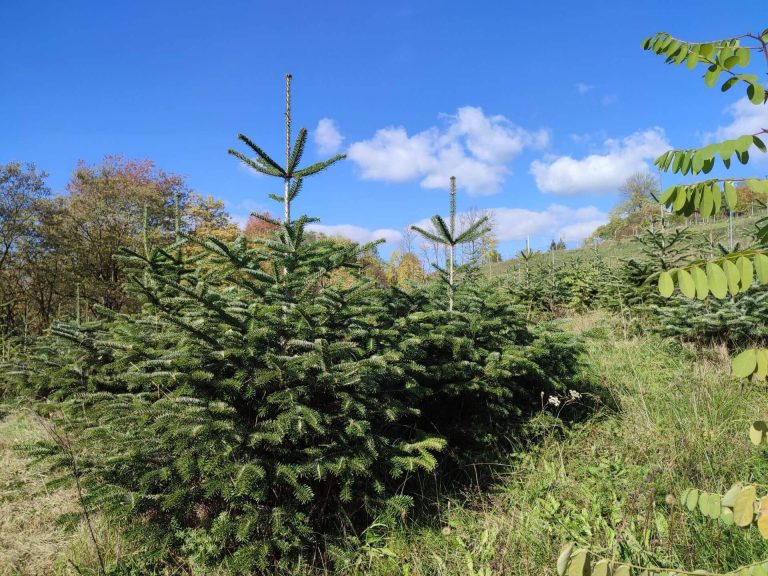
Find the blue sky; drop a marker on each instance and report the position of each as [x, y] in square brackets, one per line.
[540, 109]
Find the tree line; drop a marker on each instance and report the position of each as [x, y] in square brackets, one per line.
[57, 251]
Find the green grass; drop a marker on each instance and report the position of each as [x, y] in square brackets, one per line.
[609, 483]
[670, 418]
[613, 251]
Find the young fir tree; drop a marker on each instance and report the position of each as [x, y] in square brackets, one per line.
[483, 365]
[269, 397]
[255, 408]
[445, 235]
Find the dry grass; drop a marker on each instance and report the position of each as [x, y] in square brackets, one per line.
[29, 541]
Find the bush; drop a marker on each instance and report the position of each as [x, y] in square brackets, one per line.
[484, 367]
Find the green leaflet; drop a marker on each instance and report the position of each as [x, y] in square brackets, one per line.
[744, 506]
[744, 56]
[733, 276]
[564, 558]
[717, 281]
[731, 198]
[726, 516]
[757, 186]
[686, 284]
[697, 162]
[761, 268]
[727, 148]
[743, 143]
[716, 197]
[762, 364]
[666, 285]
[622, 570]
[602, 568]
[746, 272]
[579, 564]
[756, 93]
[700, 280]
[728, 84]
[711, 75]
[744, 364]
[668, 195]
[681, 196]
[757, 432]
[714, 507]
[692, 500]
[707, 205]
[704, 503]
[729, 498]
[691, 60]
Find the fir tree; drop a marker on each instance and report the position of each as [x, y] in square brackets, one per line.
[445, 235]
[255, 406]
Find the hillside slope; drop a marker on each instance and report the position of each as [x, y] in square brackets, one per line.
[616, 250]
[667, 418]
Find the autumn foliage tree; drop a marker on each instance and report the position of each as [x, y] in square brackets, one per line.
[58, 252]
[22, 192]
[105, 211]
[260, 225]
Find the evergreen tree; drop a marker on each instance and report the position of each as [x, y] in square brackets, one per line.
[253, 407]
[483, 366]
[445, 235]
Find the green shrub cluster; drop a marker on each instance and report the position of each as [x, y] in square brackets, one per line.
[553, 289]
[628, 289]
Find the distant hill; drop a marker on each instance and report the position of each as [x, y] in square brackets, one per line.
[616, 250]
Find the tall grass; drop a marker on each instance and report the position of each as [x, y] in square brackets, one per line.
[676, 420]
[29, 540]
[32, 541]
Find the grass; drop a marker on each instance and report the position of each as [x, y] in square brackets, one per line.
[29, 541]
[610, 483]
[612, 251]
[671, 418]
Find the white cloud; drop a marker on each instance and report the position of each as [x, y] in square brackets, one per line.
[356, 233]
[580, 230]
[583, 88]
[746, 118]
[554, 222]
[327, 136]
[472, 146]
[600, 173]
[588, 138]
